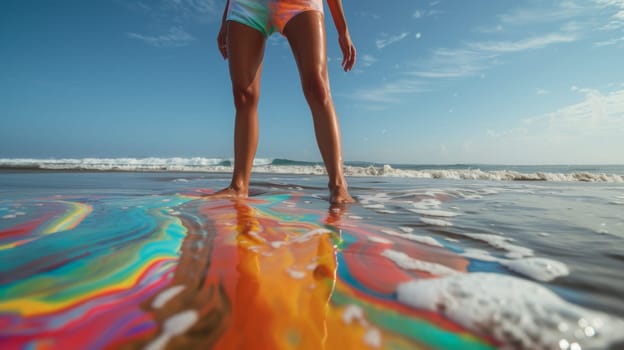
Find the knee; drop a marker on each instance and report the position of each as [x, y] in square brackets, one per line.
[316, 88]
[245, 96]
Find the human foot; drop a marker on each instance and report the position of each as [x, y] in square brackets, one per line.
[229, 192]
[340, 195]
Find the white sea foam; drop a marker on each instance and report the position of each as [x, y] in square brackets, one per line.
[404, 261]
[372, 337]
[540, 269]
[416, 238]
[300, 239]
[373, 206]
[163, 297]
[427, 204]
[436, 222]
[381, 240]
[174, 325]
[513, 251]
[354, 313]
[479, 254]
[265, 165]
[518, 313]
[296, 274]
[436, 213]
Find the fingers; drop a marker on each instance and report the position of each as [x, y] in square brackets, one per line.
[348, 57]
[222, 43]
[223, 50]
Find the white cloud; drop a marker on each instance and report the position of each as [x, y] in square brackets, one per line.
[367, 14]
[588, 131]
[543, 12]
[425, 13]
[386, 40]
[389, 92]
[453, 63]
[476, 57]
[525, 44]
[609, 42]
[175, 37]
[559, 22]
[541, 91]
[178, 11]
[367, 60]
[418, 35]
[169, 16]
[200, 10]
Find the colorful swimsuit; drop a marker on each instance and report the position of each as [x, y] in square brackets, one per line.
[269, 16]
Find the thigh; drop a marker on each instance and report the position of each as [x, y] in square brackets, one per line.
[245, 47]
[306, 36]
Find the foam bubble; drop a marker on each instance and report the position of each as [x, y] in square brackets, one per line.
[427, 204]
[174, 325]
[479, 254]
[420, 239]
[436, 222]
[163, 297]
[518, 313]
[374, 206]
[386, 211]
[379, 240]
[437, 213]
[540, 269]
[352, 313]
[513, 251]
[296, 274]
[372, 337]
[404, 261]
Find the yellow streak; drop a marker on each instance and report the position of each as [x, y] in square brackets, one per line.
[30, 306]
[72, 219]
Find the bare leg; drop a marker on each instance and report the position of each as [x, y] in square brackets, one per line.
[245, 48]
[306, 35]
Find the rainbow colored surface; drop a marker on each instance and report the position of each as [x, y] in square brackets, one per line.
[182, 271]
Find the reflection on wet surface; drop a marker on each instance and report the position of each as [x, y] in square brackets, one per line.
[280, 271]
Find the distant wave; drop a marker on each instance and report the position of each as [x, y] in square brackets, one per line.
[285, 166]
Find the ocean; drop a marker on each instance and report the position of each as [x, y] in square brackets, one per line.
[516, 257]
[586, 173]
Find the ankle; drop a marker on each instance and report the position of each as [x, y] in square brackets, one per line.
[238, 187]
[337, 185]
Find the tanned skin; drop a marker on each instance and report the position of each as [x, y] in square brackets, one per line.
[243, 47]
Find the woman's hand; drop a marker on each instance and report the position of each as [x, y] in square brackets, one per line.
[222, 40]
[348, 52]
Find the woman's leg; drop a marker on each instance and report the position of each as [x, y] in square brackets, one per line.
[306, 35]
[245, 51]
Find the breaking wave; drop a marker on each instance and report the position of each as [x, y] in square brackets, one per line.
[285, 166]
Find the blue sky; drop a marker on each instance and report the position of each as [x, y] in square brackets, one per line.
[512, 82]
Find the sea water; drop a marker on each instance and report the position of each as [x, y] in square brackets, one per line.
[550, 239]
